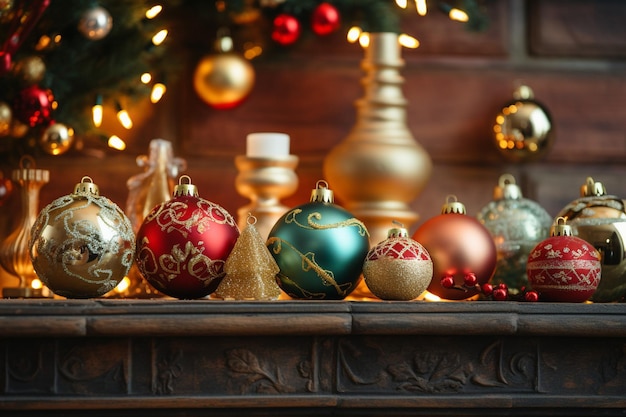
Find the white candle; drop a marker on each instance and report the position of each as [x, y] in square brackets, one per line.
[267, 144]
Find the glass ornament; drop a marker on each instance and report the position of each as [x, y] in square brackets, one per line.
[82, 244]
[319, 247]
[516, 224]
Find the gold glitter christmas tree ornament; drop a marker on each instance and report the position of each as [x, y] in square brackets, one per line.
[250, 269]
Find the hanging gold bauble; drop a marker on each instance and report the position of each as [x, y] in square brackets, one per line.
[57, 139]
[223, 80]
[523, 130]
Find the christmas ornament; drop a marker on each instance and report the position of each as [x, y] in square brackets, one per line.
[183, 243]
[250, 269]
[564, 267]
[225, 79]
[523, 130]
[33, 106]
[319, 247]
[82, 244]
[462, 250]
[398, 268]
[14, 250]
[56, 139]
[600, 219]
[325, 19]
[286, 29]
[516, 224]
[6, 116]
[30, 70]
[95, 23]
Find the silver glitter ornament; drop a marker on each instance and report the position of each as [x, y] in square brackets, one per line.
[95, 23]
[517, 225]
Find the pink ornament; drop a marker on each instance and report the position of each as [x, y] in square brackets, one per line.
[398, 268]
[183, 244]
[563, 267]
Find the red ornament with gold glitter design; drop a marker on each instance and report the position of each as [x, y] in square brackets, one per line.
[564, 268]
[398, 268]
[183, 244]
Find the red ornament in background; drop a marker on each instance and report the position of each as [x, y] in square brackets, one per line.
[286, 29]
[564, 268]
[33, 106]
[461, 248]
[183, 244]
[6, 188]
[325, 19]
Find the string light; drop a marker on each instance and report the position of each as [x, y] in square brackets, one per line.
[420, 5]
[353, 34]
[158, 90]
[97, 111]
[154, 11]
[458, 15]
[364, 39]
[124, 117]
[116, 142]
[145, 78]
[401, 3]
[408, 41]
[159, 37]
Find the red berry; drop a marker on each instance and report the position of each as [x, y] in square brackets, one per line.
[531, 296]
[447, 281]
[487, 289]
[500, 294]
[470, 279]
[503, 286]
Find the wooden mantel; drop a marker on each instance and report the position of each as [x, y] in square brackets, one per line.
[300, 358]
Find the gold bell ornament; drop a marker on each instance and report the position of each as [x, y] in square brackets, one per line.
[523, 130]
[250, 268]
[600, 219]
[82, 244]
[398, 268]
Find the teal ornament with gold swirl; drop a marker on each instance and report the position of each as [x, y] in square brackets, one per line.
[320, 248]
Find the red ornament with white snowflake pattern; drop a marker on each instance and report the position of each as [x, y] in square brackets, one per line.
[398, 268]
[564, 268]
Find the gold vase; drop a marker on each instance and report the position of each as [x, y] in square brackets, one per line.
[379, 168]
[14, 250]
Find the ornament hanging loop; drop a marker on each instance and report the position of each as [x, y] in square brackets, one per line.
[561, 228]
[185, 188]
[86, 186]
[453, 206]
[251, 220]
[321, 193]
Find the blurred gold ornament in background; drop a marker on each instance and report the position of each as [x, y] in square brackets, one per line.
[30, 70]
[523, 130]
[57, 139]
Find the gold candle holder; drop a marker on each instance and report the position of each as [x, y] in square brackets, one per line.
[265, 181]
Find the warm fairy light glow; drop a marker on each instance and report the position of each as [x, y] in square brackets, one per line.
[421, 7]
[158, 90]
[123, 285]
[159, 37]
[251, 51]
[401, 3]
[96, 112]
[429, 296]
[364, 39]
[124, 118]
[116, 142]
[146, 77]
[354, 33]
[458, 15]
[154, 11]
[36, 284]
[408, 41]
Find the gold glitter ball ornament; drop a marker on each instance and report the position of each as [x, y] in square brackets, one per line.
[398, 268]
[82, 244]
[250, 269]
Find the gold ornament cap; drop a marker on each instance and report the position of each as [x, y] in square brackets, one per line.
[507, 189]
[29, 172]
[396, 232]
[86, 186]
[321, 193]
[453, 206]
[561, 228]
[183, 189]
[592, 189]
